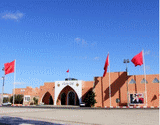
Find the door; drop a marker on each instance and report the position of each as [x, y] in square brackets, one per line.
[63, 99]
[71, 98]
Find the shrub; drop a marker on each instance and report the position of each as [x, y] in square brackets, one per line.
[31, 103]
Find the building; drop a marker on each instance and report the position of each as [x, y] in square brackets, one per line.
[73, 92]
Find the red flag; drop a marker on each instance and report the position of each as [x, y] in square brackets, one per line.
[106, 65]
[104, 72]
[138, 59]
[67, 71]
[9, 67]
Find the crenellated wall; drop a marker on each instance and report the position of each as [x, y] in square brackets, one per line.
[100, 85]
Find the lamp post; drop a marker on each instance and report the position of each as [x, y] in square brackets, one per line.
[127, 61]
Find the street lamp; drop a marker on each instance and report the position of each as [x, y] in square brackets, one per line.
[127, 61]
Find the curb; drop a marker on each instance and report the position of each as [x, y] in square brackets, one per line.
[132, 107]
[20, 105]
[111, 107]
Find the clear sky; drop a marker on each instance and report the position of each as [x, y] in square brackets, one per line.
[51, 36]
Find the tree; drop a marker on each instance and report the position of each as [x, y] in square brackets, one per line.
[35, 100]
[90, 99]
[18, 99]
[5, 99]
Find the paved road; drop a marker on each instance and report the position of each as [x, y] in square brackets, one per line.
[50, 116]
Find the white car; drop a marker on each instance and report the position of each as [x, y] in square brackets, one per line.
[7, 104]
[82, 104]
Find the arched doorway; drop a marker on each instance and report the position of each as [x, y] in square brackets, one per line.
[63, 99]
[71, 98]
[47, 99]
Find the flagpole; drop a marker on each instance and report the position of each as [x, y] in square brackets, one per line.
[145, 77]
[14, 80]
[3, 77]
[3, 87]
[109, 82]
[68, 76]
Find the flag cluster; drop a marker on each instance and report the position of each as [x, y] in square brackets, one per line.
[136, 60]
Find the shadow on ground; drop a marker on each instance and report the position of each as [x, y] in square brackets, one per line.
[6, 120]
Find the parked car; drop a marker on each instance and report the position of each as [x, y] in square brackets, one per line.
[7, 104]
[82, 104]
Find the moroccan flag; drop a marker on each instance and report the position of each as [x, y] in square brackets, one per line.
[67, 71]
[106, 65]
[138, 59]
[9, 67]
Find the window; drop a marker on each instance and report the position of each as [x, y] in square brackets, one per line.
[143, 81]
[23, 90]
[26, 98]
[132, 81]
[155, 80]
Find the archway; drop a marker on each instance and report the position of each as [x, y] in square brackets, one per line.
[67, 96]
[63, 99]
[47, 99]
[71, 98]
[65, 87]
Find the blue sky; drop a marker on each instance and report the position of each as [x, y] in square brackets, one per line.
[49, 37]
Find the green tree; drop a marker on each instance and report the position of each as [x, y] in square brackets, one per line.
[90, 99]
[35, 101]
[18, 99]
[5, 99]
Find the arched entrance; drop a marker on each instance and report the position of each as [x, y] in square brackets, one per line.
[63, 99]
[67, 97]
[65, 87]
[47, 99]
[71, 98]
